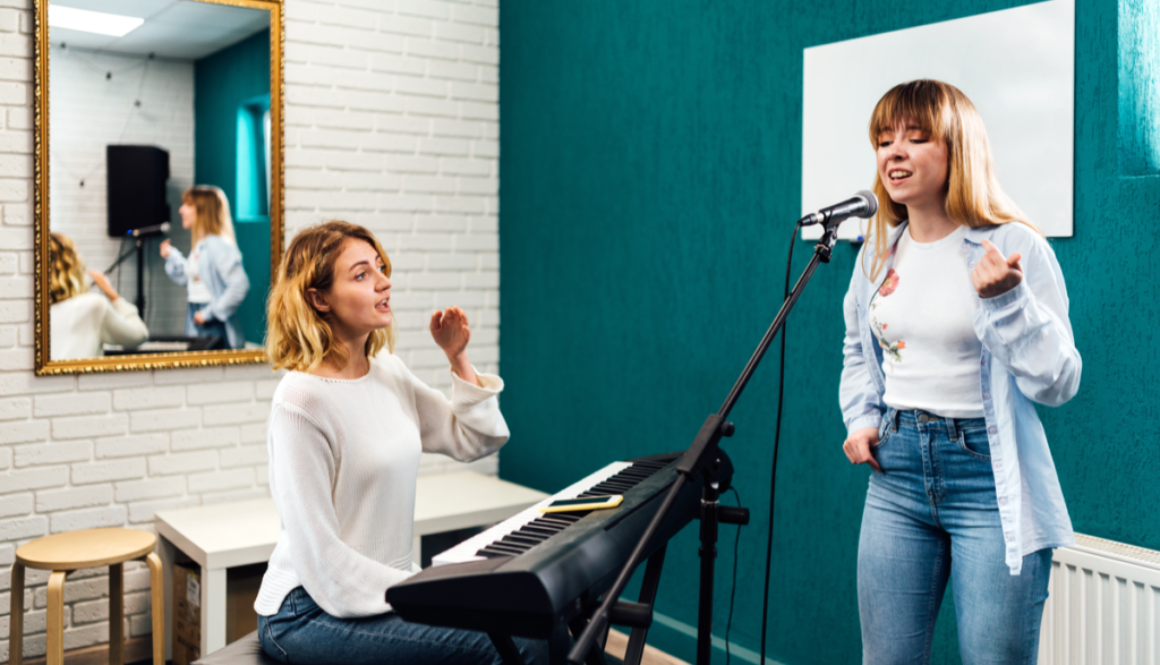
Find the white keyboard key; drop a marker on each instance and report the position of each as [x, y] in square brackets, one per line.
[466, 551]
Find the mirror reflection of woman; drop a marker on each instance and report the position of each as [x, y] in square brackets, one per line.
[956, 327]
[82, 322]
[215, 281]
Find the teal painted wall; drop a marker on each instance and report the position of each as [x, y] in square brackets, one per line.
[649, 180]
[223, 81]
[1139, 87]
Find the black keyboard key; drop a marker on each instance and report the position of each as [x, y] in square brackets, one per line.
[545, 524]
[520, 541]
[491, 551]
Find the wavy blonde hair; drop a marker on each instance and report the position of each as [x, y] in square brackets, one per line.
[973, 195]
[298, 336]
[66, 271]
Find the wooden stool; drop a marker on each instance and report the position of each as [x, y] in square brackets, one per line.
[91, 548]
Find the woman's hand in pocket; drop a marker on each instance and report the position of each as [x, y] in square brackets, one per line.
[857, 447]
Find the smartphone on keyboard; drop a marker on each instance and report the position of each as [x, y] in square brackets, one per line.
[583, 503]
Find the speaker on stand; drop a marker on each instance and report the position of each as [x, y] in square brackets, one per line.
[137, 206]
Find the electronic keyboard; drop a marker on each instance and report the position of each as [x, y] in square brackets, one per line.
[533, 572]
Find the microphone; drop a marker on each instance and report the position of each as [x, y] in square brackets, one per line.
[864, 205]
[156, 229]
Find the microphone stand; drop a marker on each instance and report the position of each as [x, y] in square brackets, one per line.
[139, 249]
[702, 457]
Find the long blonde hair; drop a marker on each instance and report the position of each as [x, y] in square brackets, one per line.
[973, 195]
[299, 337]
[213, 213]
[66, 271]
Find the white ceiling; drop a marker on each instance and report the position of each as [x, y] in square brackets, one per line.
[178, 29]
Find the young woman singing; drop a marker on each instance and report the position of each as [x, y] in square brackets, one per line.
[347, 426]
[956, 325]
[215, 281]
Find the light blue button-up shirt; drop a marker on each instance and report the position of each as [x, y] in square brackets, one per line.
[1028, 355]
[220, 264]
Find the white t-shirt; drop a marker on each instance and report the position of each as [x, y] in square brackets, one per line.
[922, 317]
[197, 291]
[344, 458]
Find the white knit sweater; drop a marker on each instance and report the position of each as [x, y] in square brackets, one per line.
[344, 456]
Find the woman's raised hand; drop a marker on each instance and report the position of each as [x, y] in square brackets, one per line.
[103, 284]
[450, 331]
[995, 274]
[857, 447]
[165, 248]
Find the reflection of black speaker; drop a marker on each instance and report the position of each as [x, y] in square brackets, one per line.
[136, 179]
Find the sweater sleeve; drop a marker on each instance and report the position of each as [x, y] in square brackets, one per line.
[466, 427]
[303, 467]
[120, 324]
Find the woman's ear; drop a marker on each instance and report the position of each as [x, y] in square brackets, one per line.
[317, 301]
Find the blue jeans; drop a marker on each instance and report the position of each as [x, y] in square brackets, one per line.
[302, 633]
[211, 327]
[932, 514]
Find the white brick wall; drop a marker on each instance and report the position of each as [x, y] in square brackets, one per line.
[391, 122]
[88, 111]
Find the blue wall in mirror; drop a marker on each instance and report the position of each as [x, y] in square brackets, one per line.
[231, 102]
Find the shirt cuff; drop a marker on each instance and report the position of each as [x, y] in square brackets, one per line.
[1015, 295]
[862, 422]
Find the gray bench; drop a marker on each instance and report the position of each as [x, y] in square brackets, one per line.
[246, 651]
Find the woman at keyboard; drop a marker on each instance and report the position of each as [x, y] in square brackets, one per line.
[347, 426]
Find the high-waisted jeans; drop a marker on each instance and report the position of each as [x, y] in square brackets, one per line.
[301, 632]
[932, 515]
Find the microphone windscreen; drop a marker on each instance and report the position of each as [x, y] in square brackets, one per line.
[871, 203]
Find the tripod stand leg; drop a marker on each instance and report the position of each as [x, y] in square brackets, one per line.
[595, 655]
[648, 593]
[506, 647]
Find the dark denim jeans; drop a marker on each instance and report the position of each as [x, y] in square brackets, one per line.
[930, 516]
[211, 327]
[302, 633]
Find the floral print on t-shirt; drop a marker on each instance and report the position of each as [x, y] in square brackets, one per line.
[889, 285]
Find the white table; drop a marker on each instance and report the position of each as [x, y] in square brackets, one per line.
[226, 535]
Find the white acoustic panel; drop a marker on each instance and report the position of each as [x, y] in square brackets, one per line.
[1016, 65]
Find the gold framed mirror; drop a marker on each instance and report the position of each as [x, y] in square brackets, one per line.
[159, 196]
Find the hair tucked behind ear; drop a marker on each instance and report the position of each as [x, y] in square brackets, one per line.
[299, 337]
[66, 272]
[974, 197]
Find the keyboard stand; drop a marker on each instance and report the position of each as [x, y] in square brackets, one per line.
[644, 606]
[637, 616]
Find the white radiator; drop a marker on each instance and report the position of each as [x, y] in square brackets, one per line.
[1104, 607]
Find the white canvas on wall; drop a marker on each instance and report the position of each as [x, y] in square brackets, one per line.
[1016, 65]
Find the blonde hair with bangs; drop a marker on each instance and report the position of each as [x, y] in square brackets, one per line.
[299, 337]
[973, 195]
[213, 213]
[66, 271]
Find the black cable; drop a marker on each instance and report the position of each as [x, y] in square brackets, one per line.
[733, 592]
[776, 444]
